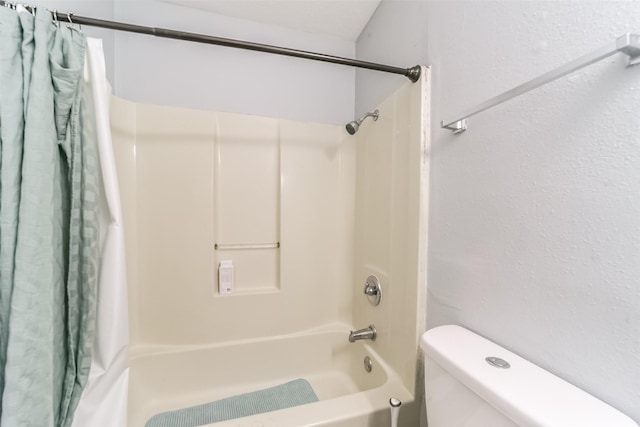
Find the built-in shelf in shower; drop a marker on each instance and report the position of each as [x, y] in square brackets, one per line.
[247, 200]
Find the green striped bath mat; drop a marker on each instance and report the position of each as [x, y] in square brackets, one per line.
[293, 393]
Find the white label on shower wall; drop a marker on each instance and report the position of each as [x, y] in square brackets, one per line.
[225, 277]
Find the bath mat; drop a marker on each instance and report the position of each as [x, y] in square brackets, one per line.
[294, 393]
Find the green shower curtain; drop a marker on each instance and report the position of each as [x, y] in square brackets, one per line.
[48, 221]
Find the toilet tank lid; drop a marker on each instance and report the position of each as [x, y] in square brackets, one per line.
[524, 392]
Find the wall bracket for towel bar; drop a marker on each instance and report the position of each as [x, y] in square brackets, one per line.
[629, 44]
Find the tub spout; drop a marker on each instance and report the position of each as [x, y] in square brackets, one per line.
[363, 334]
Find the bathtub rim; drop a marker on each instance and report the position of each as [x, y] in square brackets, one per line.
[340, 409]
[144, 350]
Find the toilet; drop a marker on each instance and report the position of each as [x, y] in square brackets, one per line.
[472, 382]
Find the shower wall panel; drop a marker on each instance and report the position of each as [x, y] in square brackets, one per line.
[391, 223]
[247, 200]
[192, 179]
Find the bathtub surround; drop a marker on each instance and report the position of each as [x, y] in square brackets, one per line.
[231, 179]
[279, 199]
[534, 210]
[391, 217]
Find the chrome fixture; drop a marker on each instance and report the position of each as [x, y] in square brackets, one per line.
[352, 127]
[368, 364]
[373, 290]
[395, 410]
[234, 246]
[412, 73]
[363, 334]
[497, 362]
[628, 44]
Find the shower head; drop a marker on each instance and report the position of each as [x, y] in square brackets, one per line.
[352, 127]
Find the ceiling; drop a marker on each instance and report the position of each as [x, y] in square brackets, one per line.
[340, 18]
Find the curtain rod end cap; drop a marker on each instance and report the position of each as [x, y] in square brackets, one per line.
[414, 73]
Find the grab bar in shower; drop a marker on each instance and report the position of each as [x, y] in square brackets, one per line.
[235, 246]
[629, 44]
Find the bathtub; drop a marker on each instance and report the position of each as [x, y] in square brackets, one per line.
[169, 378]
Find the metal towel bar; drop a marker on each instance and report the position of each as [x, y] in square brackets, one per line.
[235, 246]
[629, 44]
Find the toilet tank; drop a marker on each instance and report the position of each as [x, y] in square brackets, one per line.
[462, 388]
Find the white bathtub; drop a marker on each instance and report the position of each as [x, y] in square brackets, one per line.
[165, 379]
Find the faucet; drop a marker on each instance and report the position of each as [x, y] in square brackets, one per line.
[363, 334]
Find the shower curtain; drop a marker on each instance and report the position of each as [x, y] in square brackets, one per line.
[50, 235]
[104, 401]
[48, 219]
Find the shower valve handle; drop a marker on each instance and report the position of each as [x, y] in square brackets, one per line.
[373, 290]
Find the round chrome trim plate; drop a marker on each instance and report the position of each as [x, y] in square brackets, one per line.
[497, 362]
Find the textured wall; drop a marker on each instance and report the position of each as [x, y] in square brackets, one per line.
[170, 72]
[534, 237]
[191, 75]
[396, 35]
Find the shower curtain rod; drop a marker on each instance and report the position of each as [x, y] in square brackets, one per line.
[412, 73]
